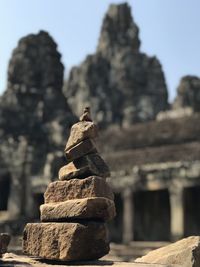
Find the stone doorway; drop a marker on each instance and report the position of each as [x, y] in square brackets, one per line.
[151, 216]
[4, 193]
[115, 226]
[191, 203]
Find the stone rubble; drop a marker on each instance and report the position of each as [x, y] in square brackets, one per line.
[77, 206]
[185, 253]
[4, 242]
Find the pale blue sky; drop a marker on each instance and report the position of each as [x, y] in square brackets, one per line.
[169, 29]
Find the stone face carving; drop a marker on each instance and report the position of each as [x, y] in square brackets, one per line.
[34, 116]
[121, 84]
[34, 91]
[118, 31]
[188, 93]
[81, 206]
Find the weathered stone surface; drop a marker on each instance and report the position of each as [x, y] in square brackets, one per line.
[95, 163]
[70, 171]
[81, 149]
[4, 242]
[10, 259]
[188, 93]
[120, 84]
[96, 208]
[66, 241]
[185, 253]
[91, 164]
[80, 131]
[92, 186]
[114, 36]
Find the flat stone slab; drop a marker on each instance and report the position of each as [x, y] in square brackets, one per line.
[92, 186]
[81, 149]
[87, 208]
[10, 259]
[66, 241]
[185, 252]
[81, 131]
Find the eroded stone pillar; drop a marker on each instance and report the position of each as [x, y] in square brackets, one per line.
[177, 213]
[128, 215]
[17, 200]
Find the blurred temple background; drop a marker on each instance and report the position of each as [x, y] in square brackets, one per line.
[152, 146]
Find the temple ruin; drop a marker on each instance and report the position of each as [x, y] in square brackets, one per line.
[152, 147]
[34, 119]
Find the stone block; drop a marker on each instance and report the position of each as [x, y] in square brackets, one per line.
[97, 208]
[66, 241]
[81, 149]
[91, 164]
[81, 131]
[95, 163]
[185, 253]
[92, 186]
[70, 171]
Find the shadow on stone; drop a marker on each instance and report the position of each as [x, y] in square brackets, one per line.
[80, 263]
[13, 263]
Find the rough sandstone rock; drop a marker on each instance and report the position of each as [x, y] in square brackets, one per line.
[185, 253]
[96, 208]
[92, 186]
[70, 171]
[66, 241]
[4, 242]
[81, 149]
[95, 163]
[80, 131]
[91, 164]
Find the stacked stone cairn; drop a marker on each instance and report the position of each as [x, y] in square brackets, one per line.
[77, 206]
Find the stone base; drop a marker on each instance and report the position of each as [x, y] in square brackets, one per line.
[66, 241]
[10, 259]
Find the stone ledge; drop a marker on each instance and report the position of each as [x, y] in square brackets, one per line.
[13, 260]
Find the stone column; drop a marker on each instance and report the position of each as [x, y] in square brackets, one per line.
[128, 213]
[177, 213]
[17, 201]
[29, 206]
